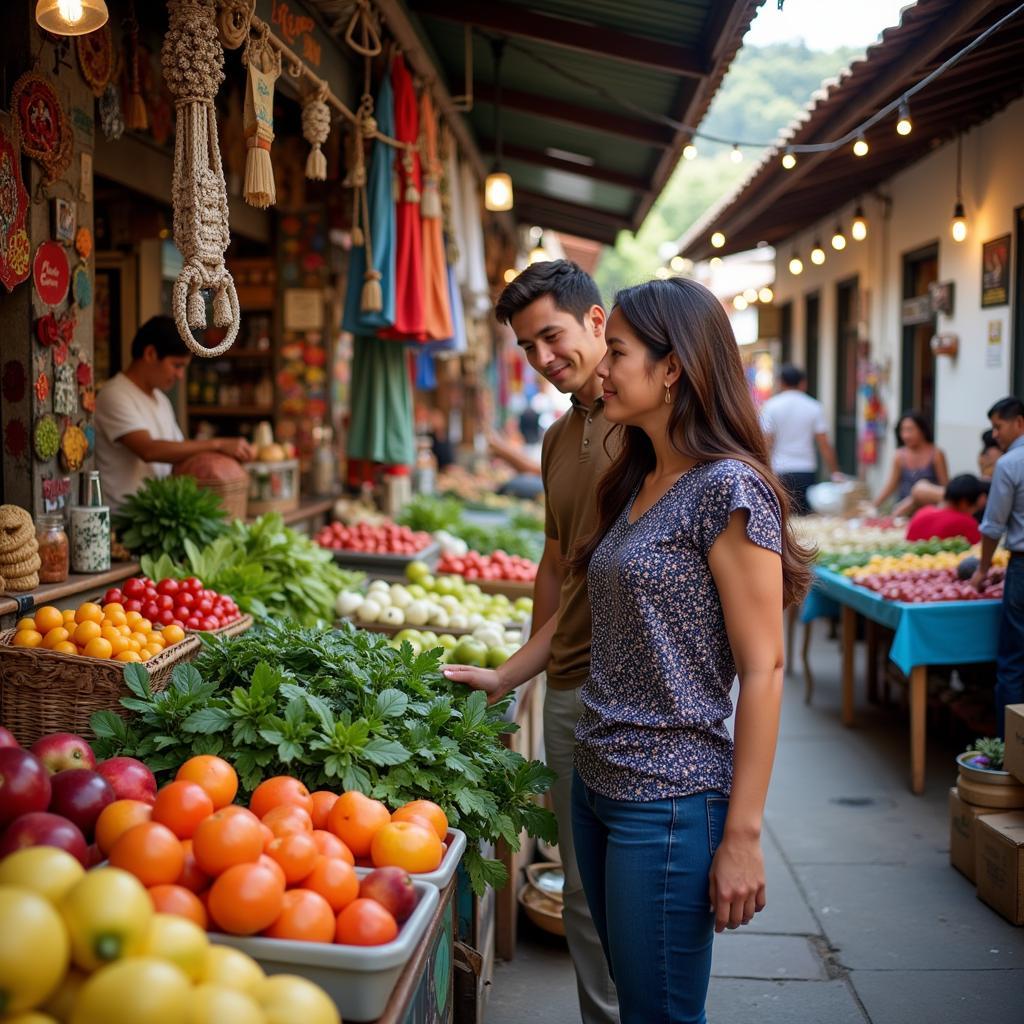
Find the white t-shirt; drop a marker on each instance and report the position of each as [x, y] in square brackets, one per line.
[121, 408]
[793, 419]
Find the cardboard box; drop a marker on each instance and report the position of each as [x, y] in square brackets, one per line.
[1014, 762]
[963, 831]
[1000, 863]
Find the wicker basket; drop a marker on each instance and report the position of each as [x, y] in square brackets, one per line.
[43, 691]
[233, 494]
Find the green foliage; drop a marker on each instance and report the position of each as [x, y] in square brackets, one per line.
[853, 559]
[991, 748]
[524, 535]
[339, 709]
[167, 513]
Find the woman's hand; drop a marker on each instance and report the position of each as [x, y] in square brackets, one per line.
[737, 882]
[490, 680]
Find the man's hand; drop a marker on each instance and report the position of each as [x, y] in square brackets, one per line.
[979, 578]
[237, 447]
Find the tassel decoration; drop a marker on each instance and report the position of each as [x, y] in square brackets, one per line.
[372, 299]
[264, 67]
[316, 126]
[136, 116]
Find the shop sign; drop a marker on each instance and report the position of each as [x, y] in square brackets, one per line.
[995, 272]
[917, 310]
[994, 346]
[51, 273]
[303, 309]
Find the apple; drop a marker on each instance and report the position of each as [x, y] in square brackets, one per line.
[79, 795]
[24, 784]
[43, 829]
[497, 656]
[7, 738]
[416, 572]
[62, 751]
[129, 778]
[469, 652]
[392, 616]
[392, 888]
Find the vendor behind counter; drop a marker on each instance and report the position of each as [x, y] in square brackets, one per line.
[137, 433]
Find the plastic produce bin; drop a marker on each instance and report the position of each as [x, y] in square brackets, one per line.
[455, 848]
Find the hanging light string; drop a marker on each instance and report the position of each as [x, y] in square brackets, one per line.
[817, 147]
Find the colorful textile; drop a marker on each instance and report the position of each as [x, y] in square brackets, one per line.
[437, 311]
[381, 427]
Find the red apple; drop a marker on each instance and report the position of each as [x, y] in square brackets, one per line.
[7, 738]
[62, 751]
[79, 795]
[392, 888]
[42, 829]
[130, 778]
[24, 784]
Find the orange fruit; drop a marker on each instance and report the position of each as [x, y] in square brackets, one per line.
[139, 637]
[365, 923]
[86, 631]
[214, 774]
[113, 606]
[28, 638]
[69, 615]
[125, 631]
[305, 916]
[118, 645]
[331, 846]
[144, 626]
[281, 789]
[424, 809]
[30, 623]
[97, 647]
[323, 801]
[133, 618]
[109, 632]
[246, 899]
[335, 880]
[297, 854]
[225, 839]
[181, 805]
[89, 612]
[48, 618]
[273, 867]
[151, 852]
[355, 818]
[127, 656]
[57, 635]
[150, 651]
[173, 634]
[176, 899]
[191, 877]
[287, 819]
[404, 844]
[65, 647]
[117, 617]
[116, 818]
[268, 836]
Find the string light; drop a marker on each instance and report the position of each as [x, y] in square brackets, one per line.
[817, 254]
[904, 126]
[510, 275]
[689, 151]
[715, 261]
[958, 227]
[498, 195]
[861, 147]
[838, 239]
[765, 295]
[736, 156]
[538, 255]
[739, 303]
[718, 240]
[678, 264]
[796, 265]
[859, 227]
[750, 294]
[662, 273]
[71, 17]
[788, 159]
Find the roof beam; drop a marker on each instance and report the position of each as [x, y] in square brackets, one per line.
[541, 203]
[524, 23]
[539, 158]
[649, 132]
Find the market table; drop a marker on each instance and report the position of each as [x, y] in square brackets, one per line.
[933, 633]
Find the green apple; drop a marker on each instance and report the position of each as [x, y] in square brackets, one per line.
[416, 591]
[497, 656]
[524, 604]
[444, 586]
[469, 652]
[447, 641]
[410, 635]
[415, 572]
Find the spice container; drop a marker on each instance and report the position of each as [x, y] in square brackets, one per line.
[54, 551]
[90, 530]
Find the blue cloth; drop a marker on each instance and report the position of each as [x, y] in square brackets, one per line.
[1004, 510]
[644, 868]
[939, 633]
[381, 229]
[1010, 665]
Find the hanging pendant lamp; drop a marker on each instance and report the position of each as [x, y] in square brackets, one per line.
[71, 17]
[498, 195]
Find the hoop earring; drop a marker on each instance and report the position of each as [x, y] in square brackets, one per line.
[668, 395]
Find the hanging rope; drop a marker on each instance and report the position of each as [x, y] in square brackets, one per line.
[372, 298]
[361, 23]
[193, 65]
[264, 67]
[316, 126]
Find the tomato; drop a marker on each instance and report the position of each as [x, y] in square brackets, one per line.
[334, 879]
[191, 877]
[286, 998]
[225, 839]
[142, 990]
[191, 584]
[134, 588]
[281, 789]
[151, 852]
[181, 805]
[168, 586]
[218, 1004]
[34, 950]
[107, 915]
[116, 818]
[305, 916]
[192, 622]
[112, 596]
[231, 968]
[176, 899]
[214, 774]
[246, 899]
[204, 606]
[297, 854]
[323, 801]
[164, 601]
[331, 846]
[424, 809]
[178, 941]
[186, 598]
[365, 922]
[210, 623]
[355, 818]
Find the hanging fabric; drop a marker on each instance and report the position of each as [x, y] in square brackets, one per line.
[476, 290]
[316, 126]
[381, 425]
[437, 312]
[263, 65]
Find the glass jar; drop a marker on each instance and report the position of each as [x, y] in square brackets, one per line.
[54, 551]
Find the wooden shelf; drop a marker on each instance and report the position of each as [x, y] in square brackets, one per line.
[248, 353]
[241, 411]
[75, 584]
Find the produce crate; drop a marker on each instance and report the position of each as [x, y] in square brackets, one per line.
[510, 588]
[273, 487]
[387, 630]
[375, 562]
[44, 691]
[455, 847]
[360, 979]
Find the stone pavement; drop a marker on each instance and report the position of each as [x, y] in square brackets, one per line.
[866, 921]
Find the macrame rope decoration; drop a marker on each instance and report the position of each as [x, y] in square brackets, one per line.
[193, 65]
[264, 66]
[316, 126]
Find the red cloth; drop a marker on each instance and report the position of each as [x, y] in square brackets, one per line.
[942, 522]
[410, 311]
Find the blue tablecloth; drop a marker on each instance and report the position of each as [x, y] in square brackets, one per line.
[940, 633]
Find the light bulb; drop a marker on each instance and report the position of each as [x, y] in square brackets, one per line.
[904, 126]
[838, 239]
[817, 254]
[510, 275]
[958, 228]
[765, 295]
[663, 273]
[718, 240]
[689, 151]
[788, 160]
[678, 264]
[71, 17]
[70, 10]
[736, 156]
[750, 294]
[498, 192]
[739, 303]
[796, 265]
[860, 147]
[538, 255]
[715, 261]
[859, 227]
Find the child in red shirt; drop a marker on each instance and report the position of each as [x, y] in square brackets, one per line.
[964, 499]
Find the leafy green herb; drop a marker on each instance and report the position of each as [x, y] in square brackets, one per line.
[524, 535]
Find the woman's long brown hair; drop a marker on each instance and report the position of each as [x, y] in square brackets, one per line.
[713, 416]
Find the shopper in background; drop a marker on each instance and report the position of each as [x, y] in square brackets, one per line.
[916, 458]
[957, 514]
[137, 432]
[555, 310]
[795, 425]
[924, 492]
[1004, 513]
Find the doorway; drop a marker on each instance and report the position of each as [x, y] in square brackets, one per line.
[812, 340]
[786, 334]
[920, 269]
[846, 375]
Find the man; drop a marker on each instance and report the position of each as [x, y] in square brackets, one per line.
[1004, 512]
[137, 434]
[963, 499]
[555, 310]
[795, 423]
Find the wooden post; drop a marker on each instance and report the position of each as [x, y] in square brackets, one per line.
[918, 709]
[849, 642]
[871, 628]
[806, 658]
[792, 616]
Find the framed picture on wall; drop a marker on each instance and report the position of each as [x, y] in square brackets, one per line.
[995, 272]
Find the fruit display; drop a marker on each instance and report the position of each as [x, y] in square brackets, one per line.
[111, 631]
[841, 562]
[447, 603]
[495, 566]
[837, 535]
[907, 562]
[184, 603]
[89, 948]
[386, 538]
[488, 646]
[920, 586]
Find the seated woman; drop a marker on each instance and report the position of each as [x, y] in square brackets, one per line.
[917, 458]
[924, 492]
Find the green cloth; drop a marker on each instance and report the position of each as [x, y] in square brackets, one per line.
[381, 426]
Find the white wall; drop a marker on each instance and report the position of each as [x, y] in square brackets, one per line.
[922, 199]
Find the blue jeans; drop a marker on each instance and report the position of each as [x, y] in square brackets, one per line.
[645, 869]
[1010, 659]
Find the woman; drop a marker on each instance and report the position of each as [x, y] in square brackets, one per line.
[916, 458]
[688, 573]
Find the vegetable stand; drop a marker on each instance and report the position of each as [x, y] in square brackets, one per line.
[926, 634]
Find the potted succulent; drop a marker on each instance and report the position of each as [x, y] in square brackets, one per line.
[983, 762]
